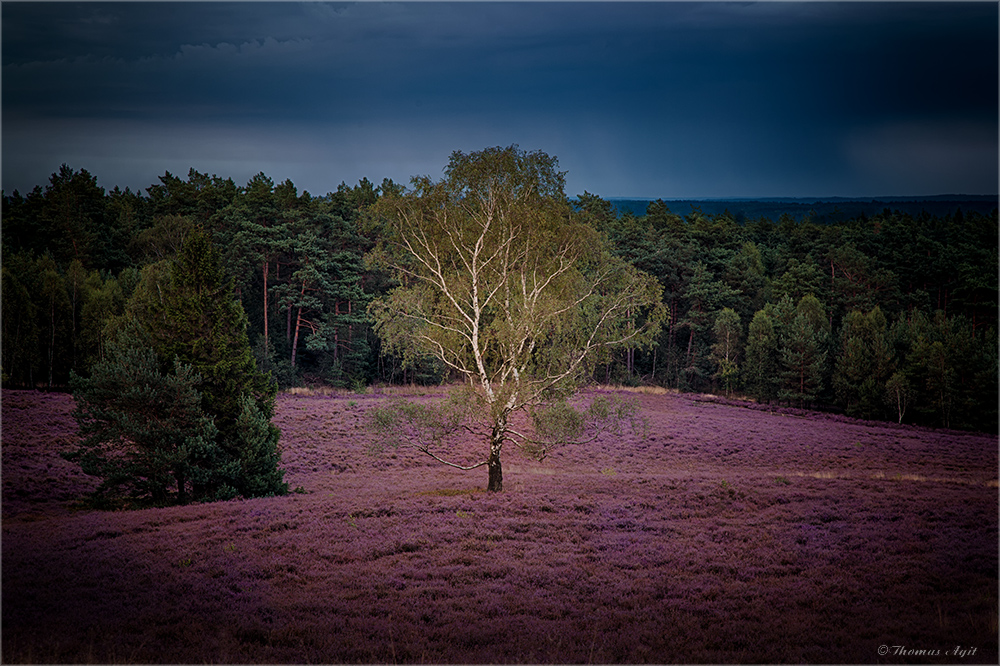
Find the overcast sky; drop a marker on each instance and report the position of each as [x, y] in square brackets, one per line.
[654, 99]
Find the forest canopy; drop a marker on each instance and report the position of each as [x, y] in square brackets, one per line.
[886, 315]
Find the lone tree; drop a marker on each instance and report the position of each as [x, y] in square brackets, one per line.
[512, 292]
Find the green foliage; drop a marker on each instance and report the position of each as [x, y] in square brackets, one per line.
[760, 370]
[801, 278]
[503, 285]
[803, 354]
[950, 369]
[864, 365]
[298, 261]
[55, 316]
[560, 423]
[75, 254]
[259, 453]
[198, 198]
[858, 279]
[186, 311]
[143, 430]
[437, 427]
[745, 273]
[425, 426]
[101, 312]
[705, 295]
[20, 334]
[196, 318]
[499, 282]
[727, 348]
[802, 363]
[268, 363]
[163, 240]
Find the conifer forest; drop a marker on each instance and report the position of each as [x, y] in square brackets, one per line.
[886, 316]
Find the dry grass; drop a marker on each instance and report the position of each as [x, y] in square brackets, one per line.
[642, 390]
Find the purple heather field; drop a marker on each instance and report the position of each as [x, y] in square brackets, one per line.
[733, 533]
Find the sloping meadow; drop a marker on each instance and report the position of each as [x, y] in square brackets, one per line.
[733, 533]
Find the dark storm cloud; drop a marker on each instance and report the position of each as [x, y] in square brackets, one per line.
[645, 99]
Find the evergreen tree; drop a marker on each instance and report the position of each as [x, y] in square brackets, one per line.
[864, 365]
[704, 295]
[819, 319]
[260, 453]
[256, 229]
[20, 334]
[761, 366]
[802, 361]
[143, 430]
[801, 278]
[72, 216]
[196, 318]
[659, 215]
[745, 273]
[55, 321]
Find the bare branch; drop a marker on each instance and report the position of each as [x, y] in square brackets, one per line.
[426, 450]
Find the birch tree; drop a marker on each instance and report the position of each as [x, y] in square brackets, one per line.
[726, 350]
[501, 282]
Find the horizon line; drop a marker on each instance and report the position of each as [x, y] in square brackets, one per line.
[886, 198]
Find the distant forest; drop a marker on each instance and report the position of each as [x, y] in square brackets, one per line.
[882, 310]
[821, 211]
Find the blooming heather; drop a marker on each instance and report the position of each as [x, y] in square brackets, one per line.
[732, 533]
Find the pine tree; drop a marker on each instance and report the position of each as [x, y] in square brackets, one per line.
[864, 365]
[197, 319]
[143, 430]
[704, 295]
[802, 361]
[761, 365]
[256, 226]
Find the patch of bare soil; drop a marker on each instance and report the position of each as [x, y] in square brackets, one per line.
[730, 534]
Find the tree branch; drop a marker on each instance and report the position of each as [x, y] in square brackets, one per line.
[426, 450]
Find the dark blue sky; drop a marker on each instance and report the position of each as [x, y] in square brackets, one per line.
[654, 99]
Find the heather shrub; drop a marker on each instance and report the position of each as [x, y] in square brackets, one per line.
[736, 533]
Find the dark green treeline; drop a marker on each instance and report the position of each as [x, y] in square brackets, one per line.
[888, 316]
